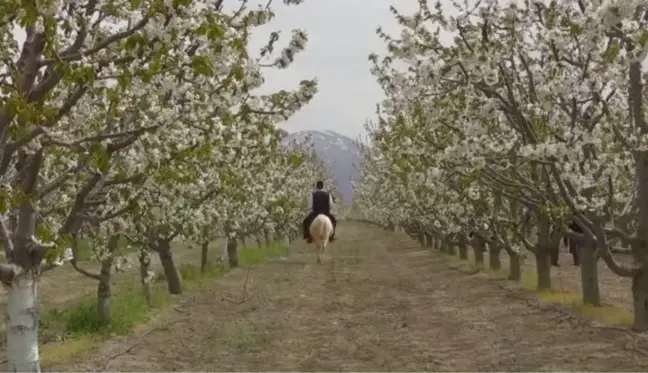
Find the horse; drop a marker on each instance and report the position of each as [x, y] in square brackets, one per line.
[320, 230]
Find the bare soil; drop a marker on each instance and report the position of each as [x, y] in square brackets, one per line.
[379, 303]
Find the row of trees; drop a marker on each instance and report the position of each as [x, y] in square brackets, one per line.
[527, 119]
[137, 122]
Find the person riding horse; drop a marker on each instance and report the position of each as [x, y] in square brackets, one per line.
[320, 202]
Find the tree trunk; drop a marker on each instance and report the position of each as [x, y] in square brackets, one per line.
[258, 241]
[463, 249]
[589, 275]
[204, 256]
[494, 257]
[543, 269]
[450, 246]
[145, 278]
[515, 265]
[640, 301]
[543, 254]
[104, 291]
[204, 250]
[479, 247]
[268, 237]
[21, 323]
[429, 241]
[174, 281]
[421, 239]
[232, 253]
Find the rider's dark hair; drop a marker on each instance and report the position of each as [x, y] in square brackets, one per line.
[319, 185]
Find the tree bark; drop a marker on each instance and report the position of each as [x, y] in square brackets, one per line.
[463, 248]
[543, 254]
[204, 250]
[479, 247]
[543, 270]
[174, 280]
[640, 248]
[145, 280]
[640, 302]
[268, 237]
[104, 291]
[589, 275]
[494, 257]
[450, 246]
[429, 241]
[232, 253]
[204, 256]
[515, 266]
[22, 324]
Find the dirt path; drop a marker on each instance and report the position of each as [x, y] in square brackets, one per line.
[380, 303]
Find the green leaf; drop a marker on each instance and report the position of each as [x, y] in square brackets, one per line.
[100, 157]
[202, 65]
[238, 72]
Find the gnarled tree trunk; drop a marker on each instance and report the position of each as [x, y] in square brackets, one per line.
[174, 280]
[204, 251]
[267, 236]
[640, 301]
[542, 253]
[429, 241]
[494, 256]
[515, 264]
[145, 278]
[204, 256]
[589, 273]
[232, 252]
[479, 247]
[21, 318]
[21, 323]
[450, 245]
[104, 291]
[462, 243]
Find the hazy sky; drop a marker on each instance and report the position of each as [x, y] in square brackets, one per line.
[341, 33]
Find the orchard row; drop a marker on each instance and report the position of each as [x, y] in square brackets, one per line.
[513, 126]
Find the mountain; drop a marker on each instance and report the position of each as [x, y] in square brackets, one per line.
[338, 152]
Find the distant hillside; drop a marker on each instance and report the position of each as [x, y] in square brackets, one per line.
[338, 152]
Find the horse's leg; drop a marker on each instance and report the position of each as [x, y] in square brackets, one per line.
[324, 243]
[319, 254]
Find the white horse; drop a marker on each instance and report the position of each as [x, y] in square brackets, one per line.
[320, 230]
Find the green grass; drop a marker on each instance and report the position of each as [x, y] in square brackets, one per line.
[128, 308]
[75, 330]
[259, 255]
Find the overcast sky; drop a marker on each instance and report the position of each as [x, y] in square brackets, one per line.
[341, 33]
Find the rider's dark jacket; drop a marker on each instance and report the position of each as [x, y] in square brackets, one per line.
[321, 202]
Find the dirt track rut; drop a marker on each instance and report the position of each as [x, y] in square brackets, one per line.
[379, 303]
